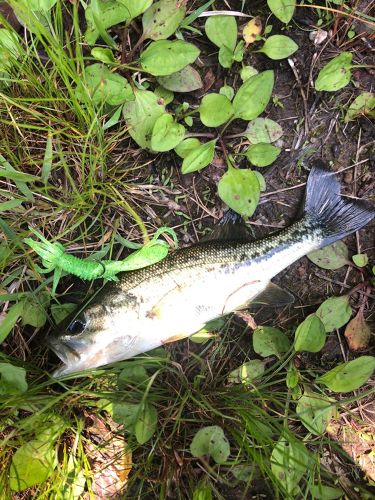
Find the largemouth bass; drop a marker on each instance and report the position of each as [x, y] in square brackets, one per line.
[175, 298]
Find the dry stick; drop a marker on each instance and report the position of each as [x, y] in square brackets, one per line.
[304, 99]
[336, 11]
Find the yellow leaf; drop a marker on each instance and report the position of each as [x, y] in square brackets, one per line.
[251, 30]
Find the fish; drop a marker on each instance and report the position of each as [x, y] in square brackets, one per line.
[177, 297]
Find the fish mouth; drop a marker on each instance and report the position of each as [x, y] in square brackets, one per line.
[68, 355]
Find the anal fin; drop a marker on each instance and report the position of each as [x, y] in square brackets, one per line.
[273, 295]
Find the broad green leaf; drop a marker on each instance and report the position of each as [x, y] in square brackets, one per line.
[33, 12]
[135, 7]
[243, 472]
[34, 310]
[222, 31]
[322, 492]
[262, 154]
[211, 441]
[278, 47]
[360, 259]
[268, 341]
[199, 157]
[10, 319]
[12, 379]
[331, 257]
[61, 311]
[228, 91]
[215, 109]
[263, 130]
[225, 57]
[165, 94]
[310, 335]
[358, 333]
[103, 86]
[75, 480]
[103, 55]
[289, 461]
[261, 180]
[240, 190]
[282, 9]
[110, 13]
[187, 146]
[315, 412]
[335, 312]
[162, 19]
[292, 376]
[247, 72]
[124, 413]
[133, 373]
[166, 133]
[185, 80]
[349, 376]
[32, 464]
[141, 115]
[247, 373]
[364, 104]
[336, 74]
[239, 51]
[253, 96]
[164, 57]
[203, 491]
[146, 423]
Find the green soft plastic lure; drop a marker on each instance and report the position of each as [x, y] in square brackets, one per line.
[56, 260]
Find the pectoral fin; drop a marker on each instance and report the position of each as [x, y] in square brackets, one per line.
[273, 295]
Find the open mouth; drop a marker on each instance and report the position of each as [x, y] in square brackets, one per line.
[64, 351]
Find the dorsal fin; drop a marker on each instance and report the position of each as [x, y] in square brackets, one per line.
[231, 228]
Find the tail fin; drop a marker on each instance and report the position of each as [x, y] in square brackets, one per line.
[333, 216]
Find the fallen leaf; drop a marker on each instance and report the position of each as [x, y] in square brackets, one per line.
[358, 333]
[252, 30]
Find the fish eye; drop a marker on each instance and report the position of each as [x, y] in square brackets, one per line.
[76, 326]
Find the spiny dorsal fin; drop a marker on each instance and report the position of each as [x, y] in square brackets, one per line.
[273, 295]
[231, 228]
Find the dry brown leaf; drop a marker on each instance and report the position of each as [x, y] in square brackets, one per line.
[358, 333]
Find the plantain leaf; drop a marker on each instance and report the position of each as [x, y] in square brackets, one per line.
[211, 441]
[335, 312]
[185, 80]
[331, 257]
[222, 31]
[262, 154]
[364, 104]
[268, 341]
[315, 412]
[278, 47]
[141, 115]
[186, 146]
[349, 376]
[310, 335]
[165, 57]
[282, 9]
[263, 130]
[240, 190]
[162, 19]
[199, 157]
[215, 109]
[336, 74]
[253, 96]
[166, 133]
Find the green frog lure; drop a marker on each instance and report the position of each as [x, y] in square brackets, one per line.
[55, 258]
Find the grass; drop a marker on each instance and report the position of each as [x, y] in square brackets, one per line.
[92, 191]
